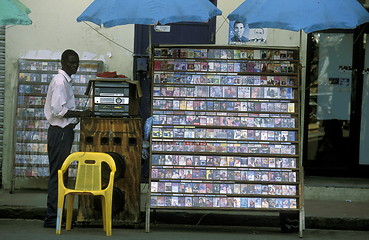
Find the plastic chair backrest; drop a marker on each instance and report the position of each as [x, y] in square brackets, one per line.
[89, 169]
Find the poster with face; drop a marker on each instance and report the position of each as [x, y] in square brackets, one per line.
[241, 33]
[238, 32]
[258, 35]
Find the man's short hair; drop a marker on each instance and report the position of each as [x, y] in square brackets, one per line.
[237, 22]
[67, 53]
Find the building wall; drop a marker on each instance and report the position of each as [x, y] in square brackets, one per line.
[55, 29]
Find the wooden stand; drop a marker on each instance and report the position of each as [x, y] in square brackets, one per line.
[122, 136]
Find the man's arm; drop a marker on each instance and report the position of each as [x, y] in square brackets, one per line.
[84, 113]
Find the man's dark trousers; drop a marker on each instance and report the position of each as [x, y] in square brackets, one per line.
[59, 145]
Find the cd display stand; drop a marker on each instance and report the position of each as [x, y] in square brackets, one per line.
[31, 125]
[226, 130]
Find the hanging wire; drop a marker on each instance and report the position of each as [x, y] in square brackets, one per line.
[225, 20]
[10, 26]
[109, 38]
[361, 32]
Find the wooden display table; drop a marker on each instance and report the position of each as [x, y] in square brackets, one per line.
[122, 136]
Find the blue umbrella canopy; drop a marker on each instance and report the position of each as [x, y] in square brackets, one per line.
[13, 12]
[110, 13]
[295, 15]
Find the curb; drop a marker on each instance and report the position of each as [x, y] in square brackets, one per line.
[209, 218]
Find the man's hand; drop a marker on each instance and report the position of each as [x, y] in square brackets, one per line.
[86, 113]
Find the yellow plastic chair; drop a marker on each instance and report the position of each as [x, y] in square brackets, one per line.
[88, 181]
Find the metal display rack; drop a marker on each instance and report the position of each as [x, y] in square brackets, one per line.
[226, 130]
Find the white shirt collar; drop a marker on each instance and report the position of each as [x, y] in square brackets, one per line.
[67, 77]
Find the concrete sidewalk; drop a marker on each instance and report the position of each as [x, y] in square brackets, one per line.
[11, 229]
[320, 214]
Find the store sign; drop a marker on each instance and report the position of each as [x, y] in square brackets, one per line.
[162, 28]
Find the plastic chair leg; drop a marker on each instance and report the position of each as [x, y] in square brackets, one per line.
[59, 216]
[109, 221]
[108, 216]
[70, 206]
[103, 212]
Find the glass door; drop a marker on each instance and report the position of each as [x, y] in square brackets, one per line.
[364, 128]
[329, 107]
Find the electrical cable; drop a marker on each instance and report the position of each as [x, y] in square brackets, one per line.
[225, 20]
[109, 38]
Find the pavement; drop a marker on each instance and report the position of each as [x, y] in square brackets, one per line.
[334, 204]
[18, 229]
[335, 213]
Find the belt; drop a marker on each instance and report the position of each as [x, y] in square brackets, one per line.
[71, 125]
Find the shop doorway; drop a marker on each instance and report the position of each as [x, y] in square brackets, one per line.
[336, 116]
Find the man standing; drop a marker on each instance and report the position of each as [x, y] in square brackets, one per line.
[60, 112]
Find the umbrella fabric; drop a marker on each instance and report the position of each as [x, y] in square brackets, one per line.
[110, 13]
[295, 15]
[13, 12]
